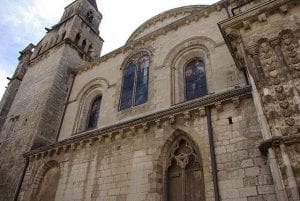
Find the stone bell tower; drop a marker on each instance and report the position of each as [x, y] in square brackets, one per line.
[36, 109]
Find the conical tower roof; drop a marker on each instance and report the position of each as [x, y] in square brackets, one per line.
[93, 3]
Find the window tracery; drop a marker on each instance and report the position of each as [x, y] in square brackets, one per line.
[184, 173]
[135, 81]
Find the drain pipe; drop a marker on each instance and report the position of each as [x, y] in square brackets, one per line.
[17, 192]
[212, 153]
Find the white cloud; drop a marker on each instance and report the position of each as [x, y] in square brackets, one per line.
[121, 18]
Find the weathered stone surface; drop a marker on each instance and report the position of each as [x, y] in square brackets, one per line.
[165, 148]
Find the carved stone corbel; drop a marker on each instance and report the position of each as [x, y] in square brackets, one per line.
[283, 9]
[202, 112]
[158, 123]
[45, 154]
[145, 126]
[187, 115]
[236, 102]
[66, 148]
[219, 106]
[101, 139]
[58, 150]
[262, 17]
[246, 25]
[133, 130]
[172, 119]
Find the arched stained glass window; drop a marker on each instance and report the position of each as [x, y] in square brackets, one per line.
[135, 81]
[94, 113]
[195, 79]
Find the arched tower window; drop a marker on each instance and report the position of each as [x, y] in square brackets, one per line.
[83, 44]
[195, 79]
[94, 113]
[77, 38]
[135, 81]
[63, 35]
[184, 173]
[90, 49]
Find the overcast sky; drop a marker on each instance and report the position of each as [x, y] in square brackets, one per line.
[23, 22]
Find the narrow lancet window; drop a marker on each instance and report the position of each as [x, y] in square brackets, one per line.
[94, 113]
[195, 79]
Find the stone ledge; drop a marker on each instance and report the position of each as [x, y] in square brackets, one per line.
[277, 141]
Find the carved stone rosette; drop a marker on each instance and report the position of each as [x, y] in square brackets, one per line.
[290, 49]
[280, 99]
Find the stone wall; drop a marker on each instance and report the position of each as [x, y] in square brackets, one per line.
[34, 117]
[131, 165]
[201, 38]
[265, 41]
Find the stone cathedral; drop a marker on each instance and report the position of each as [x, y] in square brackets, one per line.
[202, 103]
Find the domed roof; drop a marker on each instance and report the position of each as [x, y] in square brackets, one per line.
[163, 19]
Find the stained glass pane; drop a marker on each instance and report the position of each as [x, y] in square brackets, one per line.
[128, 84]
[94, 113]
[141, 93]
[195, 80]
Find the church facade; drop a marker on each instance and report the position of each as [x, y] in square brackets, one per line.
[200, 104]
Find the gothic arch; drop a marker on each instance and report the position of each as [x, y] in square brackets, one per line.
[196, 47]
[48, 173]
[93, 89]
[164, 162]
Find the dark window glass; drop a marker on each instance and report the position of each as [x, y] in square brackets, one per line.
[63, 35]
[135, 81]
[128, 84]
[195, 80]
[141, 93]
[83, 44]
[77, 38]
[94, 113]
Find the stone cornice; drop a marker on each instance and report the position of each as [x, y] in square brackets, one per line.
[230, 28]
[164, 16]
[183, 110]
[45, 53]
[254, 14]
[277, 141]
